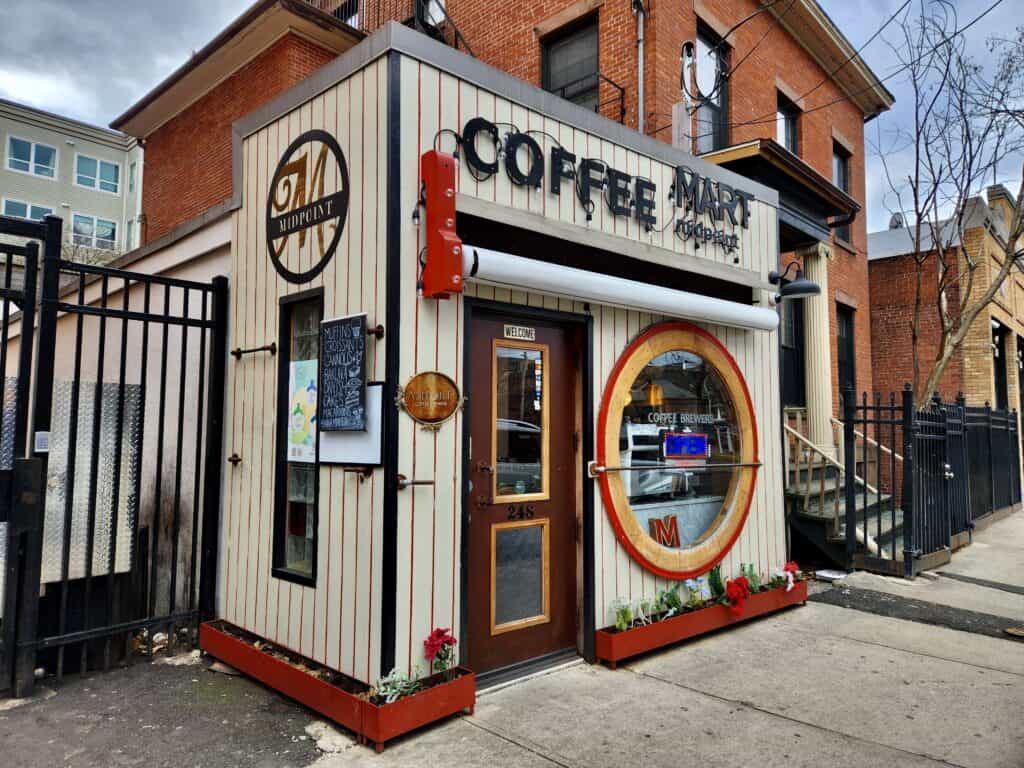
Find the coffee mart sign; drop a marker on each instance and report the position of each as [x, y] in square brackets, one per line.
[708, 211]
[308, 198]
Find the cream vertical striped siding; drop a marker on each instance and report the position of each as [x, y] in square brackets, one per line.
[433, 338]
[337, 622]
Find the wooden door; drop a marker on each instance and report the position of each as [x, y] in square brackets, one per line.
[521, 565]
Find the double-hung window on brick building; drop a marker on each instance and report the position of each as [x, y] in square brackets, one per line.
[787, 117]
[841, 178]
[712, 123]
[569, 64]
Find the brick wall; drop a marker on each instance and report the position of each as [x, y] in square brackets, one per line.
[892, 307]
[508, 40]
[188, 159]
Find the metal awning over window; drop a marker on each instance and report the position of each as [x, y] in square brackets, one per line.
[519, 273]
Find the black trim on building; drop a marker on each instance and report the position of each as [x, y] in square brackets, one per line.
[389, 555]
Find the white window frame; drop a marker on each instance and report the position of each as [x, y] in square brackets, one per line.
[96, 186]
[31, 158]
[93, 246]
[28, 208]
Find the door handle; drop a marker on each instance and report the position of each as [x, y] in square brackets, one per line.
[404, 482]
[483, 466]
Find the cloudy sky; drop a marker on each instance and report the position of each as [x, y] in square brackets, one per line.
[92, 59]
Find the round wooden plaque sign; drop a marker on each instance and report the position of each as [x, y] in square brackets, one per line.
[431, 398]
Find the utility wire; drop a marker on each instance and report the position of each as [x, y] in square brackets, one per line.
[714, 52]
[771, 26]
[891, 75]
[765, 119]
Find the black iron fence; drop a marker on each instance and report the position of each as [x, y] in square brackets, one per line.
[917, 480]
[17, 294]
[126, 434]
[992, 445]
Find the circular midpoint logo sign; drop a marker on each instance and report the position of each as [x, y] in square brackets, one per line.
[308, 199]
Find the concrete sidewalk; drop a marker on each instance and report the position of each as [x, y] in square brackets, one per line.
[815, 686]
[818, 685]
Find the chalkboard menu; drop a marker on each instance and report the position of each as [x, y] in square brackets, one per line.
[343, 375]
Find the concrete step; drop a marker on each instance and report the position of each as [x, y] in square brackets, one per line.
[814, 507]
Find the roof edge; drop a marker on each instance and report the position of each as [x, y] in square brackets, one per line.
[298, 7]
[396, 37]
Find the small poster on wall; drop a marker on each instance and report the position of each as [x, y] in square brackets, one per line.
[302, 400]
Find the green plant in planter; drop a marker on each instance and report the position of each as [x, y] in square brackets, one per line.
[640, 614]
[750, 572]
[395, 685]
[623, 615]
[671, 601]
[716, 583]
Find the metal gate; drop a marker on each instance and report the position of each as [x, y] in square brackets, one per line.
[956, 457]
[949, 465]
[928, 528]
[128, 399]
[17, 294]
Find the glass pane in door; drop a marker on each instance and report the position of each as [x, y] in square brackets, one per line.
[520, 422]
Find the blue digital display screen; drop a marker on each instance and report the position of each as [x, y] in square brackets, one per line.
[685, 445]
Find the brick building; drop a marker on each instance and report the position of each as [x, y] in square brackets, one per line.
[185, 121]
[986, 368]
[789, 114]
[762, 103]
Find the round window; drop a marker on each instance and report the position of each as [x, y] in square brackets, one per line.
[678, 442]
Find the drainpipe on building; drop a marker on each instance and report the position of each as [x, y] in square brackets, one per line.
[640, 11]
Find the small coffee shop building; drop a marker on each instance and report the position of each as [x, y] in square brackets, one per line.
[500, 366]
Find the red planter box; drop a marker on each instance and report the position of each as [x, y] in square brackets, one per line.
[332, 702]
[369, 721]
[384, 722]
[613, 646]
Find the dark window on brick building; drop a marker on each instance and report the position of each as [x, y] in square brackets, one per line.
[712, 128]
[787, 116]
[999, 363]
[569, 64]
[792, 336]
[841, 178]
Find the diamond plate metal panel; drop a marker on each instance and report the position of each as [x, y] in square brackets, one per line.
[10, 403]
[105, 492]
[6, 463]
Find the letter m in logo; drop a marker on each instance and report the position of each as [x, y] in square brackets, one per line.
[665, 531]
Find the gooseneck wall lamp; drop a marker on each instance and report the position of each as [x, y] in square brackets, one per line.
[797, 288]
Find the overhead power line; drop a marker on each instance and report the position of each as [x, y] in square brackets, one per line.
[949, 38]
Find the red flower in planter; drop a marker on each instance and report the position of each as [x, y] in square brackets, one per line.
[736, 591]
[438, 648]
[790, 570]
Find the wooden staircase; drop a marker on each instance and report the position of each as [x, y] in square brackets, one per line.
[815, 497]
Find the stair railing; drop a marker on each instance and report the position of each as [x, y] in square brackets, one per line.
[425, 23]
[802, 458]
[837, 424]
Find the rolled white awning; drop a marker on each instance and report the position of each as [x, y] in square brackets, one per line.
[516, 272]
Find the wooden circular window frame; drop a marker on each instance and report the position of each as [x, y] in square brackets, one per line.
[725, 529]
